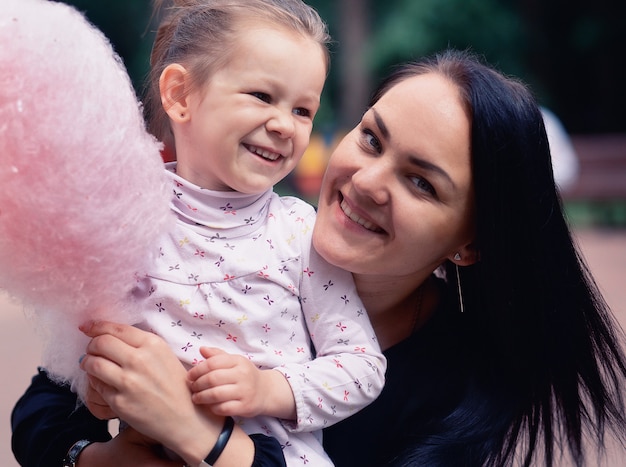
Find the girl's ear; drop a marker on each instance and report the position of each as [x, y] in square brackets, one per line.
[174, 87]
[466, 255]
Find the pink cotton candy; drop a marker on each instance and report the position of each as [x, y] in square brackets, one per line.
[83, 195]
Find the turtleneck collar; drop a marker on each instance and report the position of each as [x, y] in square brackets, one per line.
[217, 210]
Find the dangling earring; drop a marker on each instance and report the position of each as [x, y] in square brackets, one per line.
[458, 283]
[457, 257]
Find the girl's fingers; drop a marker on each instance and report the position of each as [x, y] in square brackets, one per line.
[211, 364]
[216, 395]
[208, 352]
[205, 381]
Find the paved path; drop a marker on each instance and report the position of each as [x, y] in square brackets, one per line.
[605, 252]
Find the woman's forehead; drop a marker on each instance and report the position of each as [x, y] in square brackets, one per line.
[426, 91]
[426, 110]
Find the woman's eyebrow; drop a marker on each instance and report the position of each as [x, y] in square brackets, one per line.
[415, 160]
[380, 123]
[429, 166]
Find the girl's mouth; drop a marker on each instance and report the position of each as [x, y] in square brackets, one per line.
[264, 153]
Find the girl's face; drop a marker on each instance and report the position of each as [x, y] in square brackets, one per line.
[397, 197]
[248, 127]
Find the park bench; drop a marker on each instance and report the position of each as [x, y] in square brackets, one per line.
[599, 193]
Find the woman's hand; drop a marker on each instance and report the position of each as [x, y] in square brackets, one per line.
[128, 449]
[95, 402]
[141, 380]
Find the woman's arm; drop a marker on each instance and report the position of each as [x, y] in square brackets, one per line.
[141, 380]
[47, 417]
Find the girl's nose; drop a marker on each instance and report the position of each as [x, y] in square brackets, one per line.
[282, 123]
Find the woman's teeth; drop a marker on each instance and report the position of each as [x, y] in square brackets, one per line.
[359, 220]
[272, 156]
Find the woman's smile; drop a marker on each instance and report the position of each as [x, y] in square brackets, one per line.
[353, 216]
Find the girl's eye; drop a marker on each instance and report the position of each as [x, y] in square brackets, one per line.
[261, 96]
[370, 140]
[423, 185]
[302, 112]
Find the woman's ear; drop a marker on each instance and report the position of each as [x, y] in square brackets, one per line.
[174, 87]
[466, 255]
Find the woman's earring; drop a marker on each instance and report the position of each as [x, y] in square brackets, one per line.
[457, 257]
[458, 283]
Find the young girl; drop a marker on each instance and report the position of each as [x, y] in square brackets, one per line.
[234, 89]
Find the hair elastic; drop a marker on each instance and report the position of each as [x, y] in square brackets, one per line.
[220, 444]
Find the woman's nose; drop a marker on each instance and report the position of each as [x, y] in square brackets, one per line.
[372, 180]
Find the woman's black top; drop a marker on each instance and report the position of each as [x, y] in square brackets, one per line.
[436, 408]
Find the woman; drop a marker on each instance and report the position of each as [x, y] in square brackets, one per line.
[442, 204]
[517, 353]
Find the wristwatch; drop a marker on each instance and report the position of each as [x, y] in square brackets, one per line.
[72, 455]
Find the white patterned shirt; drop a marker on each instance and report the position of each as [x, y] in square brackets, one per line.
[239, 272]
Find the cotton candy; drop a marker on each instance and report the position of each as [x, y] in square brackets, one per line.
[83, 195]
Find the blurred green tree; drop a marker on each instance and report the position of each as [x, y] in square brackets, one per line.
[127, 25]
[570, 52]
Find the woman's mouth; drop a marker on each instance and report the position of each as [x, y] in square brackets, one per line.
[264, 153]
[354, 217]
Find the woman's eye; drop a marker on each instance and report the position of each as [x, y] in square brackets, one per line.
[423, 185]
[302, 112]
[371, 141]
[262, 96]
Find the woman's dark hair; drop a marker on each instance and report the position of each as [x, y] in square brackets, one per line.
[544, 344]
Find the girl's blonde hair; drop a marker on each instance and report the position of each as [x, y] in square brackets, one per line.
[201, 34]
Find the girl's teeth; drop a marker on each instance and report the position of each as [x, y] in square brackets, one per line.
[272, 156]
[359, 220]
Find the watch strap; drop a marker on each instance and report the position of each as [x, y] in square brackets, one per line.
[72, 455]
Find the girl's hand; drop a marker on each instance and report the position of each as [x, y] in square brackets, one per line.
[232, 385]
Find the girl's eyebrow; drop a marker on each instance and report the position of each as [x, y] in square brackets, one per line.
[415, 160]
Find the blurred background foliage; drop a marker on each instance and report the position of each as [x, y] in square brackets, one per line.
[570, 52]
